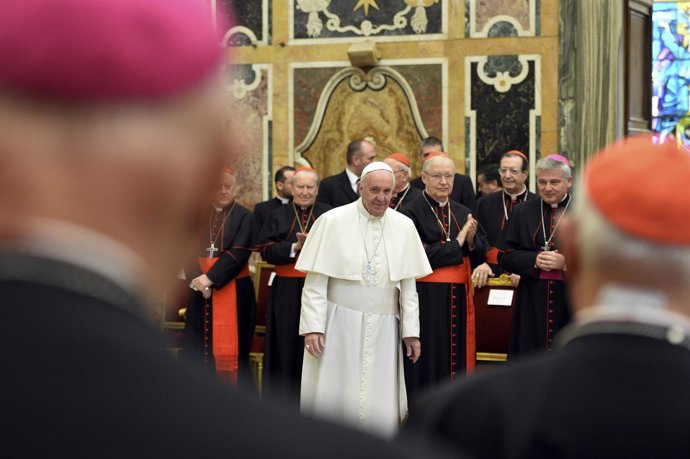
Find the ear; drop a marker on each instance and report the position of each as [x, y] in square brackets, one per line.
[567, 238]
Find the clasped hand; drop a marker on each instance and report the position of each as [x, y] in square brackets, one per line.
[202, 284]
[550, 260]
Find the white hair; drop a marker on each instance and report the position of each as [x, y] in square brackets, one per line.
[431, 161]
[548, 164]
[602, 245]
[316, 174]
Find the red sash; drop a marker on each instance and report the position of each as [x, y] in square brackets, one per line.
[288, 271]
[492, 256]
[460, 274]
[224, 323]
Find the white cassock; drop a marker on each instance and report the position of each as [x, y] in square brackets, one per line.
[364, 300]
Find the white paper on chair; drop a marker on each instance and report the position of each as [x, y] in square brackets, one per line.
[500, 297]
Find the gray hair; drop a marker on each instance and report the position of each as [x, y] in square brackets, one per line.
[431, 161]
[318, 177]
[548, 164]
[602, 245]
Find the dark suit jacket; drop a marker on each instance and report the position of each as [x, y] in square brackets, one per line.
[263, 211]
[336, 190]
[602, 396]
[463, 190]
[84, 375]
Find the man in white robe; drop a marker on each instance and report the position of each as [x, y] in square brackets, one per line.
[359, 297]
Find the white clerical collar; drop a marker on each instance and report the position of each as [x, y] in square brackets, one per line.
[440, 204]
[283, 200]
[513, 197]
[622, 303]
[351, 175]
[554, 206]
[86, 248]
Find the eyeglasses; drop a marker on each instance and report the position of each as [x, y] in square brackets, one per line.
[509, 171]
[439, 177]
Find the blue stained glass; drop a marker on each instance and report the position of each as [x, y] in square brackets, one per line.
[671, 70]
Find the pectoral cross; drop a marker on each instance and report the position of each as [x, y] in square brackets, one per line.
[546, 248]
[212, 250]
[368, 275]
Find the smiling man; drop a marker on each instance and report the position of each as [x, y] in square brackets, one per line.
[453, 244]
[221, 311]
[531, 249]
[287, 231]
[359, 299]
[495, 210]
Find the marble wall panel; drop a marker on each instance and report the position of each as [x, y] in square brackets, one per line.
[505, 18]
[326, 19]
[251, 19]
[250, 125]
[503, 112]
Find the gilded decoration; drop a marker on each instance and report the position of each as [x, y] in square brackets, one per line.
[378, 105]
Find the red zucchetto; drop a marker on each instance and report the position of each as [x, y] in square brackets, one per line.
[638, 187]
[106, 50]
[519, 153]
[435, 154]
[399, 157]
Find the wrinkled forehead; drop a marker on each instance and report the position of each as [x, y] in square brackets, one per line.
[379, 178]
[440, 164]
[304, 178]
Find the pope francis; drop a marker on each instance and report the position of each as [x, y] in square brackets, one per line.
[359, 296]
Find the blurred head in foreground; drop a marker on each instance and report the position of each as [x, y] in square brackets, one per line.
[630, 228]
[111, 119]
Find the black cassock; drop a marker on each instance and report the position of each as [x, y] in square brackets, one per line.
[263, 211]
[463, 190]
[284, 345]
[232, 231]
[403, 199]
[446, 322]
[605, 395]
[541, 306]
[493, 213]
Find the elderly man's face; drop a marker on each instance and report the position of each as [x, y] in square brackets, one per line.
[305, 188]
[226, 192]
[402, 177]
[376, 190]
[438, 180]
[552, 185]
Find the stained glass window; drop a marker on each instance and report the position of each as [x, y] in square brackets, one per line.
[671, 70]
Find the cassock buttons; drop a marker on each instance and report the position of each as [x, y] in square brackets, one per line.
[675, 335]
